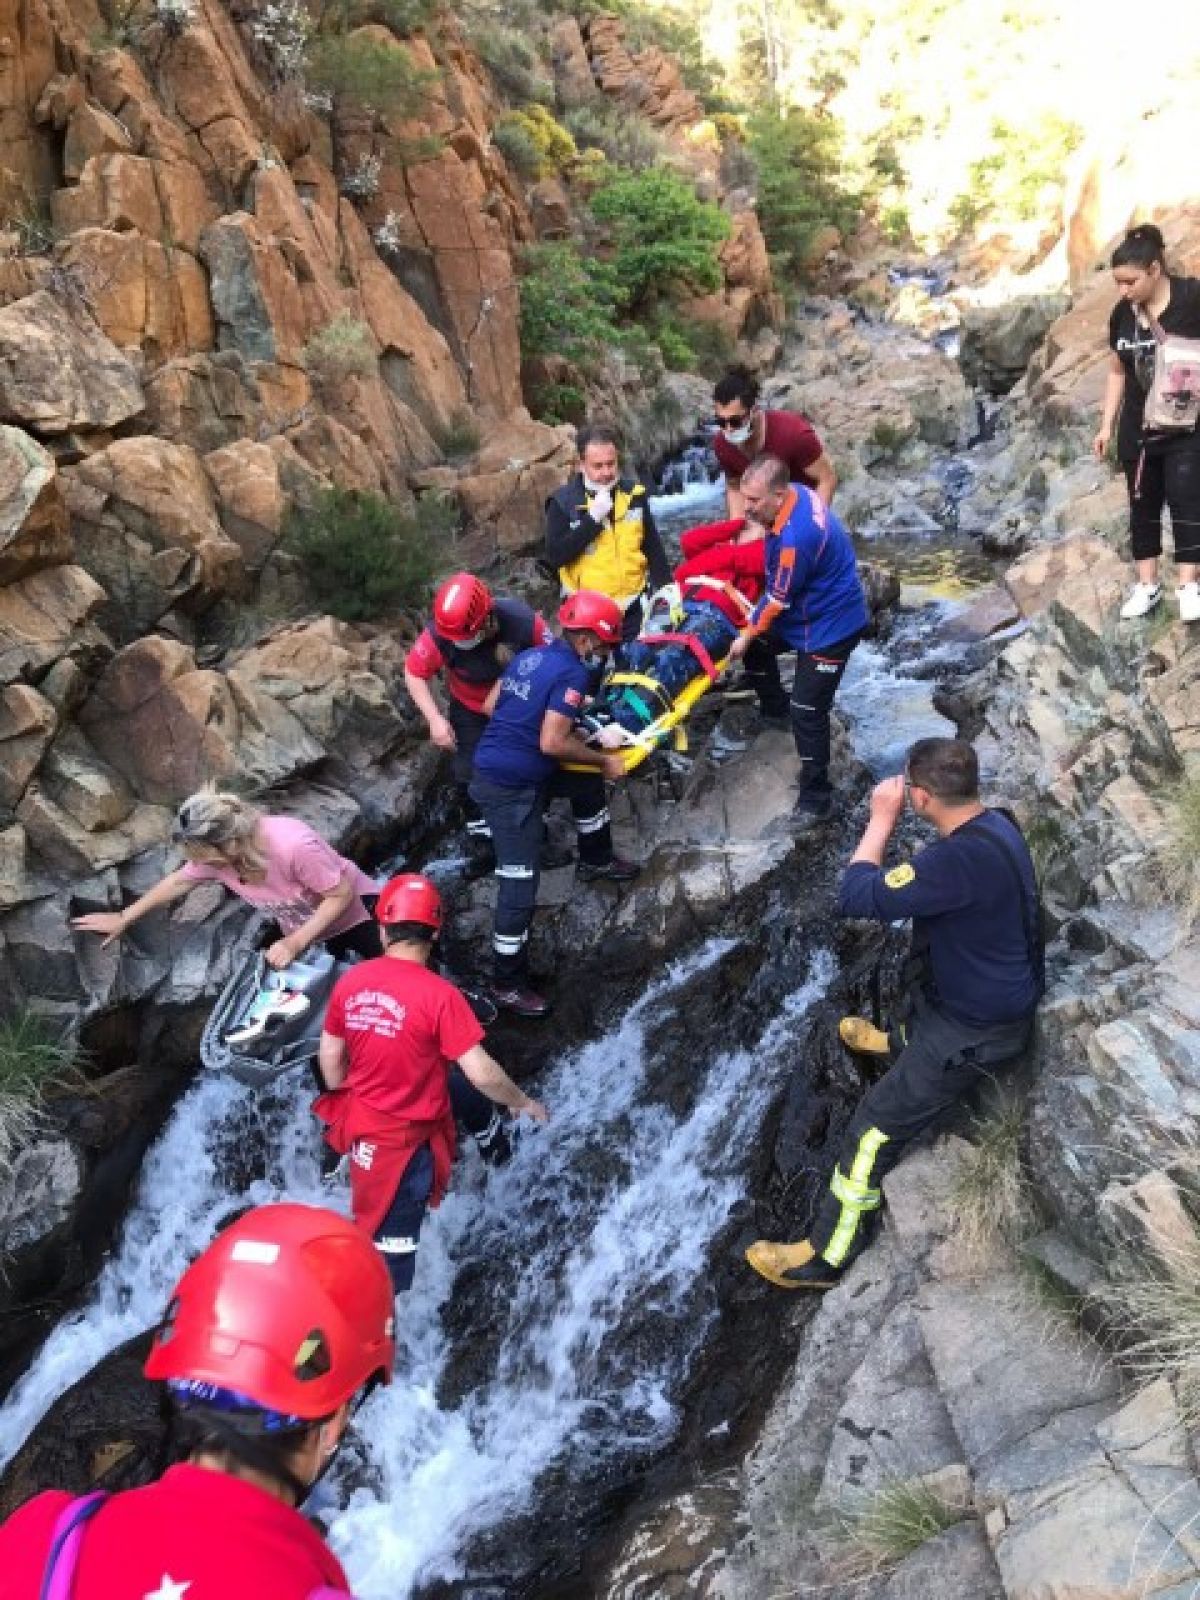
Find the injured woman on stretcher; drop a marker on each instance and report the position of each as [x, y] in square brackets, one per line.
[685, 639]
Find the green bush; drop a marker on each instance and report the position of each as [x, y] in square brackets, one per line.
[515, 144]
[363, 72]
[512, 61]
[404, 17]
[343, 348]
[458, 438]
[569, 305]
[561, 402]
[621, 136]
[35, 1061]
[665, 237]
[799, 159]
[1008, 181]
[362, 555]
[533, 142]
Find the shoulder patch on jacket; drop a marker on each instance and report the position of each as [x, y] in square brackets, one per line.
[899, 877]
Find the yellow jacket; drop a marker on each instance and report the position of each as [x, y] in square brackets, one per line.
[614, 556]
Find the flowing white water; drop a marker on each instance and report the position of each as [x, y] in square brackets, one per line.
[601, 1223]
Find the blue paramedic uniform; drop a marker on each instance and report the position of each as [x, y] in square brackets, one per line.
[513, 781]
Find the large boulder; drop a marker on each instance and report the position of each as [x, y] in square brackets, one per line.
[324, 674]
[34, 531]
[45, 616]
[259, 306]
[146, 295]
[997, 341]
[58, 371]
[27, 724]
[574, 84]
[168, 727]
[147, 526]
[503, 491]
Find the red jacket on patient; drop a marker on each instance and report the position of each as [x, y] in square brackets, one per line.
[710, 552]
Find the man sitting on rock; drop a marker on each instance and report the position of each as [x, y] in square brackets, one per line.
[977, 940]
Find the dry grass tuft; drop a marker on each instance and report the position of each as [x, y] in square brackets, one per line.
[990, 1199]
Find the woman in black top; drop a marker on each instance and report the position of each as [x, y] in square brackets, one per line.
[1164, 468]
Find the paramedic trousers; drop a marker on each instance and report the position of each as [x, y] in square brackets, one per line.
[941, 1063]
[398, 1235]
[818, 674]
[468, 728]
[517, 821]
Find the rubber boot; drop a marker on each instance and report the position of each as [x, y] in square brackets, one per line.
[861, 1036]
[792, 1266]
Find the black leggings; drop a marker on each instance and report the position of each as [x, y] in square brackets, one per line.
[1169, 478]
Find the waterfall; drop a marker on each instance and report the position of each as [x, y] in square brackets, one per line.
[595, 1239]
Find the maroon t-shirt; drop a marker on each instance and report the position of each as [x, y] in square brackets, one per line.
[789, 436]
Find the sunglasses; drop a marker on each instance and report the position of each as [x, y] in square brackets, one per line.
[739, 421]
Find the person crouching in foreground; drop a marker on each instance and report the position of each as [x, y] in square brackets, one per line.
[270, 1337]
[973, 899]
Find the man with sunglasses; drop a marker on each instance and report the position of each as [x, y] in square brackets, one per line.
[977, 974]
[746, 430]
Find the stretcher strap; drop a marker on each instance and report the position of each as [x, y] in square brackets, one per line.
[731, 593]
[692, 643]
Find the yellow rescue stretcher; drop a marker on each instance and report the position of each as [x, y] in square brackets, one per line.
[668, 726]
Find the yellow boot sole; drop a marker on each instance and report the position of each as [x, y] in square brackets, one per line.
[861, 1036]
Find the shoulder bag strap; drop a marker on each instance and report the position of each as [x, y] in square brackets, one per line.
[1030, 910]
[59, 1575]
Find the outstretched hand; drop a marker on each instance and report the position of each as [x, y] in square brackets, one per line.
[536, 1110]
[110, 923]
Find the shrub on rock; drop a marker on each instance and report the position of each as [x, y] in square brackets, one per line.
[363, 555]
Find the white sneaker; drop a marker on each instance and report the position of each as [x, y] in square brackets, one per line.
[1143, 599]
[1188, 595]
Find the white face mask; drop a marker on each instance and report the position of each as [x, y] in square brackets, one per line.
[596, 488]
[739, 435]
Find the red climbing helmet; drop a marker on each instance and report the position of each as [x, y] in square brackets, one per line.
[289, 1309]
[595, 612]
[409, 898]
[461, 607]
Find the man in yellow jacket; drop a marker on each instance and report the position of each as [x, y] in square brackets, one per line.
[600, 531]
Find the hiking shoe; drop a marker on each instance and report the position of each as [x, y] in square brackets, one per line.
[271, 1011]
[813, 808]
[861, 1036]
[792, 1266]
[1188, 595]
[616, 870]
[521, 1002]
[1142, 600]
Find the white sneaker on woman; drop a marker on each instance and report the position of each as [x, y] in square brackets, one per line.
[1188, 595]
[1142, 600]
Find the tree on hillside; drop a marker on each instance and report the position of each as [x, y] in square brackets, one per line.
[666, 239]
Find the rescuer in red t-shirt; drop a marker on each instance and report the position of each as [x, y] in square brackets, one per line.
[746, 430]
[269, 1336]
[392, 1030]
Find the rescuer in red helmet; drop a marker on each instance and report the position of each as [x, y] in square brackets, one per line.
[392, 1030]
[518, 769]
[472, 636]
[269, 1337]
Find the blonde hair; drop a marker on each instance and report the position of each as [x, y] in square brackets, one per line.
[227, 824]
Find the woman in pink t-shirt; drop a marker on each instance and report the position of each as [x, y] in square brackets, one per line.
[278, 864]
